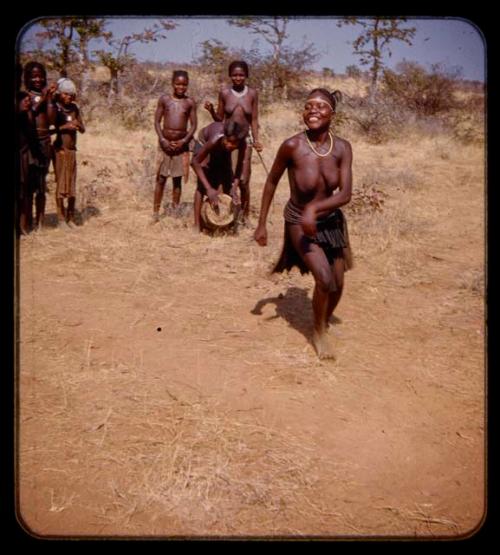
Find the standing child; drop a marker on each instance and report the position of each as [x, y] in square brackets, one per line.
[29, 158]
[68, 122]
[176, 111]
[43, 112]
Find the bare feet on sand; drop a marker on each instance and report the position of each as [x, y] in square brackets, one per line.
[323, 345]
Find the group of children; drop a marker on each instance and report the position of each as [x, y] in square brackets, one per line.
[43, 111]
[319, 167]
[235, 129]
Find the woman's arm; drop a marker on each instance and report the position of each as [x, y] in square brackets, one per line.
[196, 164]
[217, 115]
[280, 164]
[241, 165]
[255, 122]
[221, 104]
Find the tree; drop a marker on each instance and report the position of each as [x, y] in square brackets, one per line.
[273, 31]
[87, 29]
[214, 57]
[425, 92]
[378, 33]
[70, 36]
[62, 32]
[119, 59]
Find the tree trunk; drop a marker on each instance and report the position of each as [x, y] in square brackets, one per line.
[114, 86]
[284, 92]
[85, 62]
[376, 64]
[273, 82]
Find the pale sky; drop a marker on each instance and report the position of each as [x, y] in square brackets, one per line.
[452, 42]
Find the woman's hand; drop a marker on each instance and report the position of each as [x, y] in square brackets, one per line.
[208, 106]
[50, 90]
[260, 235]
[258, 146]
[308, 220]
[235, 192]
[213, 199]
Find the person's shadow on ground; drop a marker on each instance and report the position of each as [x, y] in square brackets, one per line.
[294, 307]
[81, 216]
[51, 221]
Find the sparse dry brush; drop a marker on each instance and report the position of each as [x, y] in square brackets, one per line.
[133, 445]
[382, 122]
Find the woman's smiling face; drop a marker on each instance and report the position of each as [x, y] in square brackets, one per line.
[318, 112]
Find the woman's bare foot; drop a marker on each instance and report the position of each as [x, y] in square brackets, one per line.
[323, 345]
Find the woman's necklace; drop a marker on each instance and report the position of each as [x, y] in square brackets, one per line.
[240, 94]
[330, 134]
[36, 95]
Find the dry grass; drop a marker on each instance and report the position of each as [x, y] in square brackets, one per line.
[183, 458]
[208, 469]
[144, 440]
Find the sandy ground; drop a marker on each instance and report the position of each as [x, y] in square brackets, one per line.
[168, 385]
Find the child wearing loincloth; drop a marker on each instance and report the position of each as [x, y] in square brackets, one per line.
[68, 122]
[176, 111]
[320, 176]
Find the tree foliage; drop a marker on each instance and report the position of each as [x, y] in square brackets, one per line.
[285, 64]
[70, 37]
[374, 41]
[118, 58]
[215, 57]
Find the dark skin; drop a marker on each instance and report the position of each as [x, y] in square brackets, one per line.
[176, 111]
[41, 100]
[67, 133]
[313, 180]
[240, 109]
[216, 141]
[44, 114]
[27, 135]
